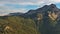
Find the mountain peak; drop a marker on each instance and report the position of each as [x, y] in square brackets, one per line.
[53, 5]
[50, 6]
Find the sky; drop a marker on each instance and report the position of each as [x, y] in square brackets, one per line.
[11, 6]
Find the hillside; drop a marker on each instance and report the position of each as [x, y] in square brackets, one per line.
[17, 25]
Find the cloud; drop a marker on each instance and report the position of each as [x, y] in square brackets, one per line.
[6, 10]
[22, 2]
[29, 2]
[57, 1]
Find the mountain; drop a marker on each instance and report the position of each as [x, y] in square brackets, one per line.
[44, 20]
[52, 10]
[33, 13]
[47, 19]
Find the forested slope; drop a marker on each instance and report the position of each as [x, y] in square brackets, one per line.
[17, 25]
